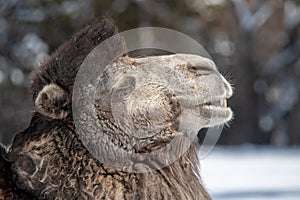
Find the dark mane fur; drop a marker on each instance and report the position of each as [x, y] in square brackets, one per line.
[63, 65]
[8, 189]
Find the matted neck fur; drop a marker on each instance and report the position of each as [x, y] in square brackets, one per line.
[49, 161]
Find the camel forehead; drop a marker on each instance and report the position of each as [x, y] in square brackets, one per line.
[152, 68]
[176, 60]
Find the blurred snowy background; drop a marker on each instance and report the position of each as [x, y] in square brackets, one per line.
[255, 43]
[252, 173]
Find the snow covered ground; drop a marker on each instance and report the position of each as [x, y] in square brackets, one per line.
[252, 172]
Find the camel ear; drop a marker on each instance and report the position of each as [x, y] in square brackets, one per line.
[53, 101]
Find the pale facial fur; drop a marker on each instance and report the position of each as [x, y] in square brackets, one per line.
[151, 94]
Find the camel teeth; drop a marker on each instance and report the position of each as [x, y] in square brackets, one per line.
[224, 103]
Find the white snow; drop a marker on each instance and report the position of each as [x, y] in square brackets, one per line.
[252, 172]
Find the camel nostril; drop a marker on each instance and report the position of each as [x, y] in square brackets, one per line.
[192, 68]
[199, 68]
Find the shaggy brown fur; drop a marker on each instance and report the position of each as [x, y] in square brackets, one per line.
[8, 189]
[65, 169]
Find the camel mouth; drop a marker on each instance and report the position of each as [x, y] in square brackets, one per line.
[217, 109]
[215, 104]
